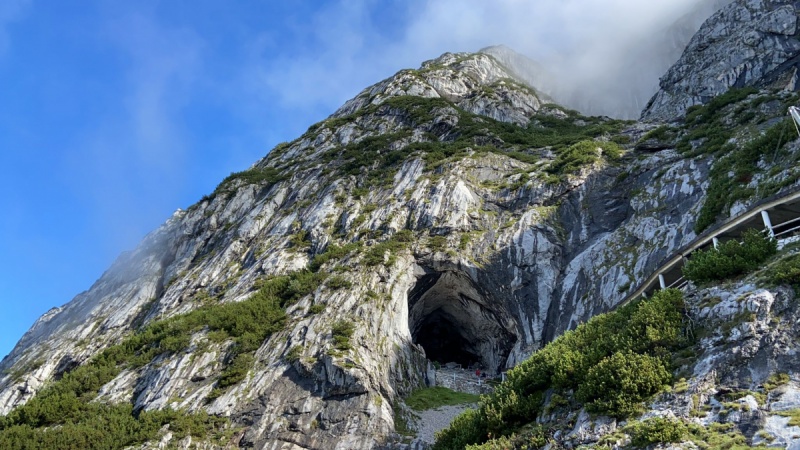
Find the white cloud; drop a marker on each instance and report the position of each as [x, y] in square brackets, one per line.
[131, 163]
[164, 65]
[609, 52]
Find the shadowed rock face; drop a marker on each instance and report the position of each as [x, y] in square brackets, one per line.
[747, 43]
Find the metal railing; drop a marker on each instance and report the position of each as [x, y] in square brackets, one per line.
[739, 223]
[762, 207]
[466, 378]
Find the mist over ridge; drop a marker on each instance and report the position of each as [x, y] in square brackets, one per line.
[612, 74]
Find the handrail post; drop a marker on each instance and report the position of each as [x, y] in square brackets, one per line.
[767, 223]
[662, 281]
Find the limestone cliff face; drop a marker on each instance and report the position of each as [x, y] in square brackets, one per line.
[747, 43]
[459, 241]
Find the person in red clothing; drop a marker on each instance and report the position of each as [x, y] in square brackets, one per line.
[478, 373]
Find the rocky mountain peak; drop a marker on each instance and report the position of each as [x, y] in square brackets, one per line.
[475, 82]
[746, 43]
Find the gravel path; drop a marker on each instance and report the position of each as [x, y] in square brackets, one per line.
[434, 420]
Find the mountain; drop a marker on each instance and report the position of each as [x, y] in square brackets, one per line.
[451, 213]
[750, 44]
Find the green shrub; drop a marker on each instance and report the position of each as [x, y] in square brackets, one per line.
[338, 282]
[700, 114]
[575, 157]
[438, 243]
[707, 125]
[299, 285]
[793, 415]
[501, 443]
[718, 436]
[467, 428]
[786, 271]
[300, 240]
[63, 416]
[731, 258]
[236, 371]
[776, 380]
[611, 150]
[621, 139]
[662, 133]
[110, 427]
[725, 189]
[618, 385]
[376, 254]
[656, 325]
[63, 412]
[376, 158]
[342, 331]
[657, 430]
[521, 156]
[613, 362]
[406, 236]
[268, 175]
[582, 154]
[294, 353]
[332, 253]
[316, 308]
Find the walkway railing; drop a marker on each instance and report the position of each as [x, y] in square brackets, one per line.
[785, 203]
[785, 208]
[458, 378]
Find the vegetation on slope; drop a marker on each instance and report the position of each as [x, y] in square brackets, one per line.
[742, 163]
[712, 130]
[64, 416]
[730, 258]
[786, 271]
[617, 360]
[613, 363]
[64, 422]
[661, 430]
[582, 154]
[378, 157]
[375, 158]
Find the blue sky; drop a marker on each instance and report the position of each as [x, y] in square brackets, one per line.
[113, 114]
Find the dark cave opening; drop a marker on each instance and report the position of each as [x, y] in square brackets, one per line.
[443, 341]
[453, 321]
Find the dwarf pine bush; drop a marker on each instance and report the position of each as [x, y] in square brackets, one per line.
[730, 258]
[613, 363]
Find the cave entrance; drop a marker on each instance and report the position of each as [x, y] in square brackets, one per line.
[454, 322]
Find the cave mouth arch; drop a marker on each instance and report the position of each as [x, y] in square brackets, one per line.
[454, 321]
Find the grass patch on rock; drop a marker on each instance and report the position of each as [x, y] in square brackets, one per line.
[434, 397]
